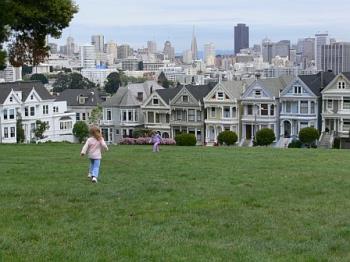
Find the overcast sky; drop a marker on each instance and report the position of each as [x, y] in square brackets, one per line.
[136, 21]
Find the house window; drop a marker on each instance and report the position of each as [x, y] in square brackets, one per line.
[82, 100]
[191, 115]
[341, 85]
[179, 115]
[199, 116]
[150, 117]
[220, 96]
[157, 118]
[303, 125]
[304, 107]
[313, 109]
[297, 90]
[66, 125]
[329, 104]
[55, 109]
[5, 114]
[167, 118]
[130, 116]
[11, 99]
[77, 116]
[250, 110]
[346, 125]
[109, 115]
[288, 107]
[84, 116]
[155, 101]
[264, 109]
[124, 115]
[227, 113]
[234, 112]
[185, 99]
[32, 97]
[26, 111]
[272, 110]
[45, 109]
[32, 111]
[13, 132]
[136, 117]
[6, 132]
[117, 132]
[12, 114]
[346, 103]
[257, 92]
[212, 112]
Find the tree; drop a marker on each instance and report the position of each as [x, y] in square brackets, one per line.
[39, 77]
[264, 137]
[27, 23]
[40, 128]
[81, 131]
[163, 81]
[114, 81]
[95, 116]
[308, 135]
[19, 130]
[227, 137]
[71, 81]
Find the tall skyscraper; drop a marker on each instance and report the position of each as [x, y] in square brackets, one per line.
[99, 42]
[169, 51]
[124, 51]
[209, 54]
[267, 50]
[194, 48]
[152, 47]
[70, 46]
[335, 57]
[187, 57]
[320, 40]
[88, 56]
[241, 37]
[112, 52]
[281, 49]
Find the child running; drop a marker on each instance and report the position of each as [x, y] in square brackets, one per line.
[94, 147]
[156, 140]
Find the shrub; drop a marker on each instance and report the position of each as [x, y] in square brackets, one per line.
[145, 141]
[81, 131]
[336, 143]
[264, 137]
[185, 139]
[308, 135]
[142, 133]
[295, 144]
[227, 138]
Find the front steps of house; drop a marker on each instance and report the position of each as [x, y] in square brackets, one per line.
[325, 141]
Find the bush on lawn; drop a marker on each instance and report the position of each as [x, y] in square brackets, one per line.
[264, 137]
[295, 144]
[308, 136]
[336, 143]
[228, 138]
[81, 131]
[185, 139]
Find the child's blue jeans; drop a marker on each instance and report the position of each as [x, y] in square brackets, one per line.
[95, 167]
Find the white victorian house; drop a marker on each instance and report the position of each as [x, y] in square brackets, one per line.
[30, 101]
[260, 107]
[222, 109]
[336, 108]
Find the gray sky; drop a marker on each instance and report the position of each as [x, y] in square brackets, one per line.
[136, 21]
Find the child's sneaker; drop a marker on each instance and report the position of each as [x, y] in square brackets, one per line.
[94, 180]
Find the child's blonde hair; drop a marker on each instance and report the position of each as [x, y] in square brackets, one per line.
[95, 132]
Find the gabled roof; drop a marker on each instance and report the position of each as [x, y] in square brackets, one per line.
[347, 75]
[199, 92]
[93, 97]
[25, 87]
[127, 96]
[317, 82]
[169, 93]
[236, 88]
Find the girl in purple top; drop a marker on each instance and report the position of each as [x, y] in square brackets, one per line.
[156, 140]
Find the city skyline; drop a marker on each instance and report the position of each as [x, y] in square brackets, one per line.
[137, 22]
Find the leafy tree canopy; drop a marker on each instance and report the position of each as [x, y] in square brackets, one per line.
[71, 81]
[39, 77]
[114, 81]
[81, 130]
[27, 23]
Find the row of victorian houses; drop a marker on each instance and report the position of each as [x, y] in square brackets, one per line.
[285, 104]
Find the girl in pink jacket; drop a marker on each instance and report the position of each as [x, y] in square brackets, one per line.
[94, 147]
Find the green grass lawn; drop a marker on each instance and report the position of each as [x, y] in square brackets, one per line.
[184, 204]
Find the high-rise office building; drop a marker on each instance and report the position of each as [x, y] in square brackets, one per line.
[152, 47]
[99, 42]
[209, 54]
[112, 52]
[187, 57]
[169, 51]
[281, 49]
[335, 57]
[70, 46]
[267, 50]
[241, 37]
[88, 56]
[320, 40]
[124, 51]
[194, 47]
